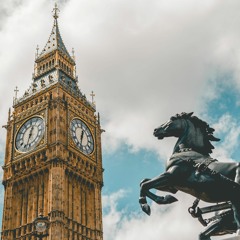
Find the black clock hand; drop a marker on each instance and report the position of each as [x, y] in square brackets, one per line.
[81, 138]
[30, 134]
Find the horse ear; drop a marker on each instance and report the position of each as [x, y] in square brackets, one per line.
[211, 130]
[190, 114]
[212, 138]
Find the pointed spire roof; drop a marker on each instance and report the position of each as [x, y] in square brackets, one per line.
[55, 41]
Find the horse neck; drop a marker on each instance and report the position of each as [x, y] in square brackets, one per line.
[191, 137]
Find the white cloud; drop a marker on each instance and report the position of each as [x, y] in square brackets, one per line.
[113, 217]
[149, 61]
[165, 222]
[228, 127]
[145, 61]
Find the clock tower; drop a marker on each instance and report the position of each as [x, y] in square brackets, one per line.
[53, 159]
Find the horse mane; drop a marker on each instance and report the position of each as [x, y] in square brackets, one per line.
[206, 130]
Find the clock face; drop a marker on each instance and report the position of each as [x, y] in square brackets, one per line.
[82, 136]
[30, 134]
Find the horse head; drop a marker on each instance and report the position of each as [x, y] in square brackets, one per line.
[191, 132]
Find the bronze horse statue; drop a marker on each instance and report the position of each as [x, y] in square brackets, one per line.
[191, 169]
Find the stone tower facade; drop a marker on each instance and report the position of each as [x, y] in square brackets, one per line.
[53, 159]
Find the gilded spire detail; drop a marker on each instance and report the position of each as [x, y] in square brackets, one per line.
[55, 11]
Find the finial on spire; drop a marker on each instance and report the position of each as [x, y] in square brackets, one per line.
[55, 11]
[37, 53]
[15, 98]
[92, 95]
[73, 54]
[16, 91]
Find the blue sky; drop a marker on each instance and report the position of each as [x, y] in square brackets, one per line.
[124, 170]
[145, 61]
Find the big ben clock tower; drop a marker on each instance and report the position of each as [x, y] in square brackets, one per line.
[53, 159]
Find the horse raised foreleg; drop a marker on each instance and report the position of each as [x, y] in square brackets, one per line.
[159, 182]
[158, 199]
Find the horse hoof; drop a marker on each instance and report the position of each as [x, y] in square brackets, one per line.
[170, 199]
[146, 208]
[142, 200]
[160, 200]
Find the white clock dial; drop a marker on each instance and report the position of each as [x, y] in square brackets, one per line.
[82, 136]
[30, 134]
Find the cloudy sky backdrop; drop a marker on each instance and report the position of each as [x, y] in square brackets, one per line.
[146, 61]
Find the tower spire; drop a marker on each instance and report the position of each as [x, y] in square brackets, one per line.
[55, 41]
[54, 64]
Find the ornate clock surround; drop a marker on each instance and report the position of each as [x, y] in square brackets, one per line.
[54, 178]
